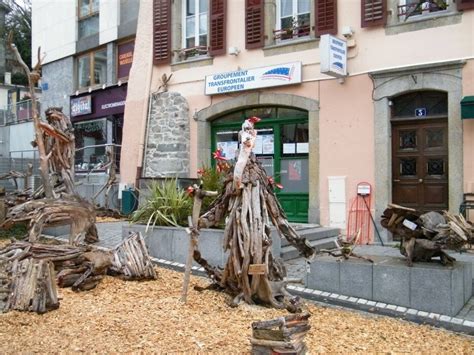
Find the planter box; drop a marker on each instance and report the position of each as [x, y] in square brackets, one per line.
[171, 243]
[428, 287]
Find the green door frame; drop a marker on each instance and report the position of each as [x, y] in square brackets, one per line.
[299, 199]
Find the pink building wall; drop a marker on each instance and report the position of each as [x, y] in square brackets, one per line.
[468, 129]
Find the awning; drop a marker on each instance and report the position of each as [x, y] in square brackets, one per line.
[467, 107]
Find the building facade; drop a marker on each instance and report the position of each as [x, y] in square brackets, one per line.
[393, 122]
[88, 51]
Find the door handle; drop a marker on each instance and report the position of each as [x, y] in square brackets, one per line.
[420, 180]
[396, 180]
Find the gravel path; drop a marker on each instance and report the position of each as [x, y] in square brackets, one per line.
[121, 316]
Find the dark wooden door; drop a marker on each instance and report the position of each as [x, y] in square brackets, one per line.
[420, 164]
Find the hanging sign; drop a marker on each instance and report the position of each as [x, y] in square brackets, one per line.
[81, 105]
[333, 52]
[240, 80]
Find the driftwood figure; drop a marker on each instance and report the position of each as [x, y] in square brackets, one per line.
[248, 201]
[426, 235]
[73, 210]
[57, 201]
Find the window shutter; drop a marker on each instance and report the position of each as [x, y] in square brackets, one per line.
[373, 13]
[161, 31]
[326, 17]
[254, 25]
[465, 4]
[218, 33]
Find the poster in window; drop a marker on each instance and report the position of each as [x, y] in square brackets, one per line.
[267, 144]
[258, 148]
[228, 149]
[302, 148]
[289, 148]
[294, 170]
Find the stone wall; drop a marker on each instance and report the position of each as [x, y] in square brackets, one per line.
[168, 137]
[59, 76]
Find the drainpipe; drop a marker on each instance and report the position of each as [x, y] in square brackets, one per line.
[145, 123]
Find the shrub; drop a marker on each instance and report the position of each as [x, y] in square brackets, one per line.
[212, 180]
[167, 205]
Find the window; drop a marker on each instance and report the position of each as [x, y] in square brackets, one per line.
[92, 68]
[195, 24]
[293, 19]
[409, 8]
[88, 18]
[91, 137]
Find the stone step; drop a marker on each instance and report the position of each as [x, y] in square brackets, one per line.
[289, 252]
[312, 234]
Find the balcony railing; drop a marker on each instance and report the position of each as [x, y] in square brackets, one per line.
[291, 33]
[18, 113]
[186, 53]
[421, 8]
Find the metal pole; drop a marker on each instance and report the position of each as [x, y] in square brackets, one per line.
[373, 221]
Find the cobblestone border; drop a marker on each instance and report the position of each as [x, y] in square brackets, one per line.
[360, 304]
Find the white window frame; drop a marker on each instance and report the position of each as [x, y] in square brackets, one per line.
[449, 7]
[196, 24]
[294, 13]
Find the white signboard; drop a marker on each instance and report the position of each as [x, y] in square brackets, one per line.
[333, 56]
[239, 80]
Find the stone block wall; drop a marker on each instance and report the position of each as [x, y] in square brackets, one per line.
[168, 137]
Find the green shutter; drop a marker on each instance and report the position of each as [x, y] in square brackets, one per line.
[467, 107]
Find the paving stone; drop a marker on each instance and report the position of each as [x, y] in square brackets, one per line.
[325, 294]
[362, 301]
[468, 323]
[401, 309]
[352, 299]
[412, 311]
[422, 314]
[434, 316]
[381, 305]
[343, 298]
[371, 303]
[391, 307]
[456, 320]
[317, 292]
[333, 295]
[444, 318]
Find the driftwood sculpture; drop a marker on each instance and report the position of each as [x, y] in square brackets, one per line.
[57, 201]
[249, 202]
[69, 210]
[29, 272]
[284, 335]
[426, 235]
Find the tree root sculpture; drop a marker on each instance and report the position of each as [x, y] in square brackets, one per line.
[252, 273]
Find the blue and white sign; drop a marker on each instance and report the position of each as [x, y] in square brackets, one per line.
[420, 112]
[81, 105]
[240, 80]
[333, 53]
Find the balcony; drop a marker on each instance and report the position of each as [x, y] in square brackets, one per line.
[18, 113]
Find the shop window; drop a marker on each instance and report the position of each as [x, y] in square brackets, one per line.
[91, 138]
[293, 19]
[88, 18]
[294, 139]
[92, 68]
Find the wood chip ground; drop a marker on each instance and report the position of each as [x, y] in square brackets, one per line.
[120, 316]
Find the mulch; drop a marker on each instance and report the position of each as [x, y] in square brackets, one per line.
[121, 316]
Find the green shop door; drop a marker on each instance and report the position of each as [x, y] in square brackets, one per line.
[282, 148]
